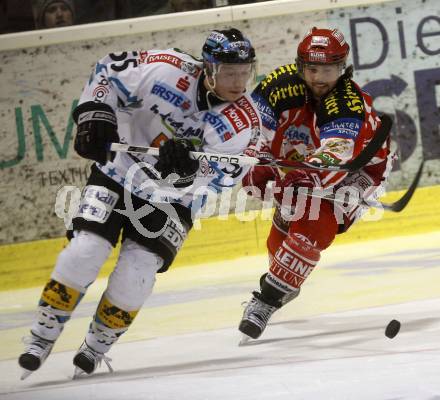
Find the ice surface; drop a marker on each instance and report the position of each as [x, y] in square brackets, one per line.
[327, 344]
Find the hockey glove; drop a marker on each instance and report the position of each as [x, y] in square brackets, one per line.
[294, 180]
[174, 158]
[97, 127]
[258, 177]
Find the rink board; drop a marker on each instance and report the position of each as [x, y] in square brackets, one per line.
[398, 66]
[30, 264]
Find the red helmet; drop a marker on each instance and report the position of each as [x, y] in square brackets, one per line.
[323, 46]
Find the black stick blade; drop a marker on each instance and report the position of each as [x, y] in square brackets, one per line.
[400, 204]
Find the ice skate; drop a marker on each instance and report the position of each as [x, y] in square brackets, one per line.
[36, 352]
[255, 318]
[244, 340]
[87, 360]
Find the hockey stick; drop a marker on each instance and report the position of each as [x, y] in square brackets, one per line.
[400, 204]
[360, 161]
[396, 206]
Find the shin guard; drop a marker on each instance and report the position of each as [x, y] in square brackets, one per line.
[108, 324]
[55, 307]
[293, 261]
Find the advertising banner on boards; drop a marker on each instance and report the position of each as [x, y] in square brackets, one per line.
[394, 49]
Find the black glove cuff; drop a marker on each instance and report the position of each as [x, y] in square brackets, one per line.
[91, 111]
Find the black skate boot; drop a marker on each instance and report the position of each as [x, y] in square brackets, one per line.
[44, 332]
[87, 360]
[256, 316]
[34, 355]
[261, 307]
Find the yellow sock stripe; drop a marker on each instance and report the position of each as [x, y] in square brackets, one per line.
[60, 296]
[112, 316]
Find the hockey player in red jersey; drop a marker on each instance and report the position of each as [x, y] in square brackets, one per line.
[155, 98]
[312, 111]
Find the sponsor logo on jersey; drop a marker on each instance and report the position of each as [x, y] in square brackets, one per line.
[266, 113]
[339, 145]
[165, 58]
[331, 104]
[177, 62]
[170, 95]
[97, 203]
[216, 122]
[223, 129]
[327, 158]
[346, 128]
[268, 121]
[190, 68]
[174, 235]
[142, 57]
[194, 134]
[101, 91]
[177, 128]
[247, 107]
[295, 134]
[288, 69]
[183, 84]
[236, 117]
[289, 91]
[354, 102]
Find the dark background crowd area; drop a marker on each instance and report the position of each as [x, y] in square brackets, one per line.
[26, 15]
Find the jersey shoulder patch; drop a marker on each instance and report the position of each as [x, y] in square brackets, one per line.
[282, 89]
[344, 101]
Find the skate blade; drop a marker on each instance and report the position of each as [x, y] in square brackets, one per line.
[244, 340]
[25, 374]
[78, 373]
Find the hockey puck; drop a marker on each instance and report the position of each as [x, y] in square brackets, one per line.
[392, 329]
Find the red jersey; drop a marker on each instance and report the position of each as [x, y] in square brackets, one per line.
[332, 131]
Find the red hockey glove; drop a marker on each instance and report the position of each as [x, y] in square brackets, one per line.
[258, 177]
[295, 179]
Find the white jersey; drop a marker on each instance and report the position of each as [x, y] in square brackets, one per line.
[154, 94]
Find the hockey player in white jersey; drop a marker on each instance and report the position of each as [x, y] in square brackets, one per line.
[159, 98]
